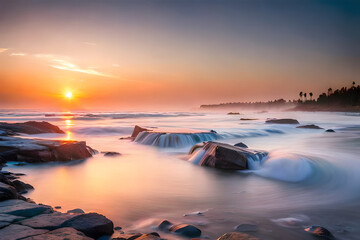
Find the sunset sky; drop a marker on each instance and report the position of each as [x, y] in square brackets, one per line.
[156, 54]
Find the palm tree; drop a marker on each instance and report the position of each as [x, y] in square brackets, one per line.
[305, 96]
[311, 94]
[301, 94]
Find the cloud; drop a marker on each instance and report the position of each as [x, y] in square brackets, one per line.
[65, 63]
[89, 43]
[3, 50]
[18, 54]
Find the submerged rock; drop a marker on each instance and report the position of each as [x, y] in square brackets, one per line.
[91, 224]
[329, 130]
[248, 119]
[111, 154]
[30, 127]
[233, 113]
[61, 234]
[282, 121]
[241, 144]
[186, 230]
[311, 126]
[237, 236]
[246, 227]
[76, 210]
[225, 156]
[320, 232]
[165, 225]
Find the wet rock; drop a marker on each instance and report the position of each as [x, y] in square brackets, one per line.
[15, 231]
[246, 227]
[320, 232]
[195, 147]
[165, 225]
[91, 224]
[61, 234]
[329, 130]
[117, 228]
[127, 236]
[186, 230]
[149, 236]
[233, 113]
[138, 130]
[311, 126]
[225, 156]
[4, 224]
[248, 119]
[7, 192]
[282, 121]
[111, 154]
[22, 208]
[30, 127]
[47, 221]
[241, 144]
[76, 210]
[213, 131]
[237, 236]
[22, 187]
[10, 218]
[57, 207]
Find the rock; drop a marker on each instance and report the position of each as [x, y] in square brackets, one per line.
[186, 230]
[246, 227]
[61, 234]
[241, 144]
[237, 236]
[117, 228]
[72, 151]
[225, 156]
[22, 187]
[195, 147]
[311, 126]
[4, 224]
[91, 224]
[138, 130]
[10, 218]
[47, 221]
[15, 231]
[320, 232]
[248, 119]
[111, 154]
[149, 236]
[7, 192]
[213, 131]
[57, 207]
[282, 121]
[165, 225]
[31, 127]
[329, 130]
[233, 113]
[22, 208]
[76, 210]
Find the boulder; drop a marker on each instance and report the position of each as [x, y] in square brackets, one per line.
[225, 156]
[186, 230]
[71, 151]
[91, 224]
[330, 130]
[282, 121]
[138, 130]
[111, 154]
[149, 236]
[241, 144]
[165, 225]
[61, 234]
[76, 210]
[23, 208]
[246, 227]
[15, 231]
[311, 126]
[22, 187]
[126, 236]
[7, 192]
[10, 218]
[320, 232]
[30, 127]
[49, 221]
[237, 236]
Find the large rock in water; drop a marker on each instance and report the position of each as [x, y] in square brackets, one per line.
[137, 130]
[31, 127]
[186, 230]
[282, 121]
[225, 156]
[310, 126]
[91, 224]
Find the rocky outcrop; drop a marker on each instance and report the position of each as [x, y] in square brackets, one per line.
[48, 221]
[320, 232]
[91, 224]
[15, 231]
[7, 192]
[137, 130]
[21, 187]
[31, 127]
[186, 230]
[241, 144]
[61, 233]
[22, 208]
[282, 121]
[225, 156]
[310, 126]
[237, 236]
[38, 150]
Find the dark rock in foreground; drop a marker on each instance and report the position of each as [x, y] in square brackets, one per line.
[241, 144]
[31, 127]
[186, 230]
[320, 232]
[237, 236]
[225, 156]
[282, 121]
[91, 224]
[311, 126]
[7, 192]
[22, 187]
[165, 225]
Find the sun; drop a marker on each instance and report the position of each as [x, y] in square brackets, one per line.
[68, 95]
